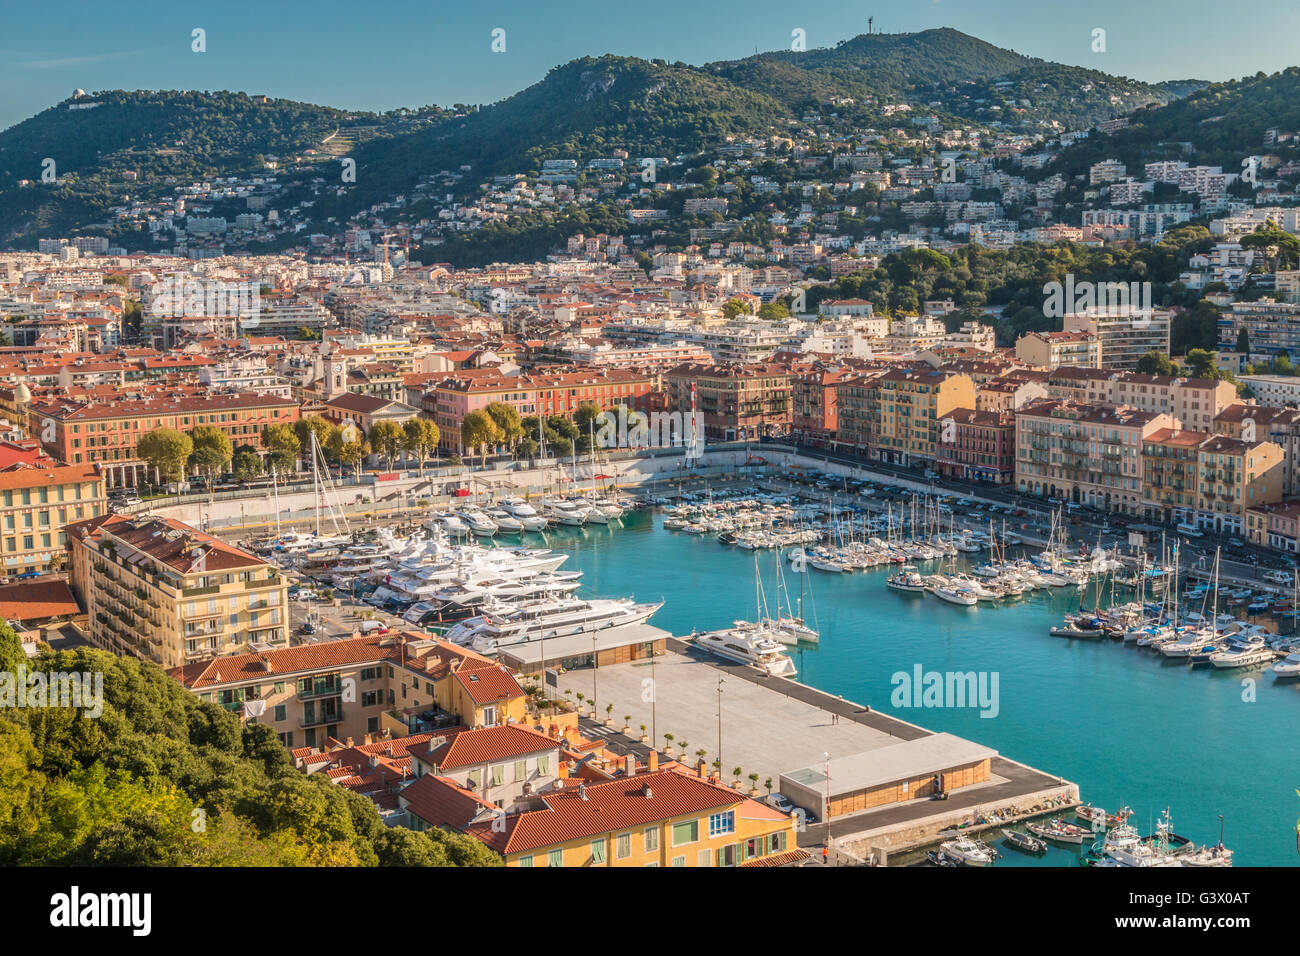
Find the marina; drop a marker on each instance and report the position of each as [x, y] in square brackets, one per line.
[1063, 702]
[850, 632]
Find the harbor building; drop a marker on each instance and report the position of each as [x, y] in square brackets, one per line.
[914, 769]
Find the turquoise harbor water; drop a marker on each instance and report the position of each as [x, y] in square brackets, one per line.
[1129, 727]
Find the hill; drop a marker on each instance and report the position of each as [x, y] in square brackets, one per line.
[137, 145]
[949, 71]
[161, 778]
[1218, 125]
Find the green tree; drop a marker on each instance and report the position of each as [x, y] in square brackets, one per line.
[478, 430]
[387, 438]
[281, 441]
[734, 307]
[1156, 363]
[348, 447]
[304, 428]
[167, 450]
[211, 449]
[420, 436]
[246, 464]
[506, 417]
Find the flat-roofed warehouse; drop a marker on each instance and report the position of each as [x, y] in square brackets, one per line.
[612, 645]
[887, 775]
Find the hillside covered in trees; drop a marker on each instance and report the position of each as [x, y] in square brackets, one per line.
[163, 779]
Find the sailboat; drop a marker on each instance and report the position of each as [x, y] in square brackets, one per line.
[789, 626]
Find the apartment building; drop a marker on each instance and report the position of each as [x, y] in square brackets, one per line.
[449, 400]
[1271, 327]
[1125, 335]
[1169, 474]
[978, 445]
[160, 590]
[1281, 426]
[1085, 453]
[857, 399]
[105, 433]
[37, 500]
[343, 689]
[1054, 349]
[1234, 476]
[736, 402]
[815, 404]
[910, 405]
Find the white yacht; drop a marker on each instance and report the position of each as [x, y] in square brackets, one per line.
[506, 523]
[944, 590]
[749, 644]
[449, 522]
[1288, 668]
[567, 513]
[479, 523]
[501, 625]
[1239, 652]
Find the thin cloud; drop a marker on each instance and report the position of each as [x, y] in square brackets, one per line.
[71, 61]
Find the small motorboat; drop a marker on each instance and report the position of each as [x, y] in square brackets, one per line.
[1024, 842]
[1100, 818]
[1058, 831]
[969, 852]
[937, 858]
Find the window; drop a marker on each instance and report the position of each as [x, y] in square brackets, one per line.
[753, 847]
[279, 712]
[650, 839]
[498, 775]
[544, 765]
[679, 861]
[597, 851]
[776, 842]
[687, 832]
[722, 823]
[521, 770]
[555, 858]
[704, 858]
[624, 845]
[526, 860]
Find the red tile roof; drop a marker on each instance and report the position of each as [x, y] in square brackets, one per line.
[471, 748]
[37, 600]
[618, 804]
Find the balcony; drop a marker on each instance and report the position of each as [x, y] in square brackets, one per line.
[312, 719]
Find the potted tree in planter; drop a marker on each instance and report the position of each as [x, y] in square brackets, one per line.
[645, 738]
[768, 783]
[668, 743]
[735, 775]
[753, 780]
[609, 715]
[627, 724]
[582, 707]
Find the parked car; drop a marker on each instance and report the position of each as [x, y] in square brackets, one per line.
[781, 802]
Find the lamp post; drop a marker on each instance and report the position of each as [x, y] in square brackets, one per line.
[593, 676]
[654, 694]
[720, 683]
[826, 811]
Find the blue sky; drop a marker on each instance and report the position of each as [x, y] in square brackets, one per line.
[378, 56]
